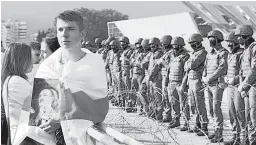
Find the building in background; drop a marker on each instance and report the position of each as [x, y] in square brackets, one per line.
[204, 18]
[13, 31]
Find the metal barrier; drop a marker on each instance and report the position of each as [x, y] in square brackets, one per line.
[107, 135]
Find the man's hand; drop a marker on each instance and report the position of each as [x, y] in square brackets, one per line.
[50, 126]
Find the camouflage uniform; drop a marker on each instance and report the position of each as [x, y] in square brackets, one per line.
[138, 74]
[175, 76]
[155, 80]
[216, 69]
[164, 61]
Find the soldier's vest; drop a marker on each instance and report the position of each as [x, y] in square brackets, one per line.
[167, 57]
[116, 63]
[126, 58]
[213, 63]
[146, 57]
[233, 64]
[246, 60]
[137, 68]
[177, 68]
[153, 60]
[197, 72]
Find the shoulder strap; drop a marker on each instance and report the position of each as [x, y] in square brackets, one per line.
[5, 100]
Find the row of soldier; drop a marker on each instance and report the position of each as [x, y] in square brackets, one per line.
[158, 74]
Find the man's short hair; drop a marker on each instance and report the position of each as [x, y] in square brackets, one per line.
[35, 45]
[70, 15]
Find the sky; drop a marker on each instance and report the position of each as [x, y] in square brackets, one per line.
[40, 14]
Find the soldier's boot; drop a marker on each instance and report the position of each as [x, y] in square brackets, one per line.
[244, 138]
[203, 131]
[212, 135]
[196, 128]
[174, 123]
[218, 136]
[234, 141]
[185, 127]
[167, 116]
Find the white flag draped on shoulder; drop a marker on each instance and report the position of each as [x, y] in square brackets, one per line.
[83, 93]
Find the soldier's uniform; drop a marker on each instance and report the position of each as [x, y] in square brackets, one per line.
[115, 68]
[107, 59]
[248, 78]
[215, 70]
[155, 80]
[176, 74]
[126, 73]
[144, 87]
[137, 73]
[235, 101]
[194, 67]
[163, 63]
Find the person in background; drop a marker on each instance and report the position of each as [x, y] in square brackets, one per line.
[48, 46]
[36, 50]
[16, 89]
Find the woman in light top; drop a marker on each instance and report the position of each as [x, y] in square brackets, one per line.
[15, 86]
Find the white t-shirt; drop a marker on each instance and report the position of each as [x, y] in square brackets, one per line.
[20, 95]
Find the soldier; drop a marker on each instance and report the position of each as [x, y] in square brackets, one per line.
[155, 79]
[138, 72]
[102, 47]
[97, 43]
[115, 68]
[89, 45]
[176, 83]
[144, 89]
[248, 76]
[107, 57]
[235, 101]
[213, 77]
[126, 66]
[164, 61]
[194, 68]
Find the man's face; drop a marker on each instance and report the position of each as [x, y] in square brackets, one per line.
[69, 35]
[36, 56]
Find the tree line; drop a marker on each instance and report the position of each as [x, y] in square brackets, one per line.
[95, 22]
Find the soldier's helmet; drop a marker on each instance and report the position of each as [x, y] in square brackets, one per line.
[232, 37]
[178, 41]
[109, 40]
[114, 43]
[145, 43]
[244, 30]
[124, 39]
[195, 38]
[138, 41]
[103, 42]
[217, 34]
[98, 40]
[88, 43]
[166, 39]
[154, 41]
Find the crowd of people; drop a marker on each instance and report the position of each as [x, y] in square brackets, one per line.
[158, 77]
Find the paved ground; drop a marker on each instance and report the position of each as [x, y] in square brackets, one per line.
[152, 132]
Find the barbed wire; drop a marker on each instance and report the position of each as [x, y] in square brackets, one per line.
[149, 130]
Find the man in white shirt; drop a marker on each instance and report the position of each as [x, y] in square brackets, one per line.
[83, 92]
